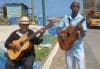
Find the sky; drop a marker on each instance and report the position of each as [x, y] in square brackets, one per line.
[52, 7]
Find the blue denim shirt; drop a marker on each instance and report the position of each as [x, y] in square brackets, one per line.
[78, 45]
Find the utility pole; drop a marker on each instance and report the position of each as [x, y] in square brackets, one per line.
[32, 7]
[43, 12]
[95, 5]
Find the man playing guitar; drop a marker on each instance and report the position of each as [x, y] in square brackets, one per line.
[69, 24]
[20, 48]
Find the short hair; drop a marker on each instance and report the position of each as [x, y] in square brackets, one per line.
[73, 3]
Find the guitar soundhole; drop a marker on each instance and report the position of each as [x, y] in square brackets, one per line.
[21, 43]
[68, 34]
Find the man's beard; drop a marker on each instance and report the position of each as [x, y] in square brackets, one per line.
[74, 14]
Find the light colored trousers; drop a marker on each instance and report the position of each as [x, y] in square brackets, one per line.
[73, 61]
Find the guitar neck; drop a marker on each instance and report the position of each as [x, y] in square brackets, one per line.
[30, 37]
[79, 23]
[39, 31]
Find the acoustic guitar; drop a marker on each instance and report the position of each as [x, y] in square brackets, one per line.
[15, 54]
[68, 36]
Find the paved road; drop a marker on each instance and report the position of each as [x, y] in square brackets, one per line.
[92, 49]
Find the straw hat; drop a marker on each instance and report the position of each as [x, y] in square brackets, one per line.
[24, 20]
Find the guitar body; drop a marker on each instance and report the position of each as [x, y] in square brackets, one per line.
[68, 39]
[15, 55]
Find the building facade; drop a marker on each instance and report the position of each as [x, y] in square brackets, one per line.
[16, 10]
[3, 12]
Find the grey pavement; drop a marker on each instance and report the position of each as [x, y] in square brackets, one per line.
[92, 46]
[58, 61]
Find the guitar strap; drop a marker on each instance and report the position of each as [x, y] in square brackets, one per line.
[69, 21]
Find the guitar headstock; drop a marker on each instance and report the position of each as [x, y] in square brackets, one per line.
[52, 21]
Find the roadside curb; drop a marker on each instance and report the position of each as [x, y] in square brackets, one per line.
[51, 56]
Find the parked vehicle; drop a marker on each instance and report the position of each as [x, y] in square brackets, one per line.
[95, 20]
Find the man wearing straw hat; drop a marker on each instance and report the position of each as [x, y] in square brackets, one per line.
[17, 40]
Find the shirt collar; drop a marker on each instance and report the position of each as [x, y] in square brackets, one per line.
[78, 16]
[20, 34]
